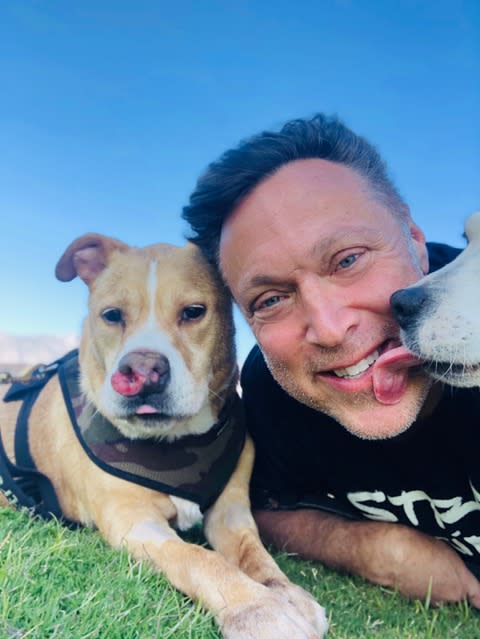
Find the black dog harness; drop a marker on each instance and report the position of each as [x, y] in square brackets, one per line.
[194, 467]
[21, 483]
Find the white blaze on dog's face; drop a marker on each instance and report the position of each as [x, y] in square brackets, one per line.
[440, 315]
[156, 338]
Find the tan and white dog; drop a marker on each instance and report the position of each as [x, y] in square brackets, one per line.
[157, 360]
[439, 316]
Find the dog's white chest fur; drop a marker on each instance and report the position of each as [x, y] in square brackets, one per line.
[188, 513]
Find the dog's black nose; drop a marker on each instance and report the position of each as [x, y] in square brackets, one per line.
[406, 304]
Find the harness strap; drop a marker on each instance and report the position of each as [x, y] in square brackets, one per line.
[27, 487]
[21, 483]
[11, 478]
[22, 448]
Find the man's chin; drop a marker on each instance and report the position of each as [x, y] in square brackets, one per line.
[379, 421]
[360, 413]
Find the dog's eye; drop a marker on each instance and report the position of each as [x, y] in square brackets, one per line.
[112, 316]
[193, 312]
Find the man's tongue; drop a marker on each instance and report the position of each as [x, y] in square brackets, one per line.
[390, 374]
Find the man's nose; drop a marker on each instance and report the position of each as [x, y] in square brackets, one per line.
[328, 317]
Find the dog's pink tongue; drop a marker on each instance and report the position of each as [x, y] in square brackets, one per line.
[390, 374]
[128, 385]
[146, 409]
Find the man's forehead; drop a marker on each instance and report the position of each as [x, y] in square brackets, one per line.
[303, 176]
[302, 187]
[314, 168]
[298, 183]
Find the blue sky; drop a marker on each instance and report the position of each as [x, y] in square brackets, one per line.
[110, 109]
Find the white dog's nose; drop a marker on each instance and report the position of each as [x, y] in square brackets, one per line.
[407, 303]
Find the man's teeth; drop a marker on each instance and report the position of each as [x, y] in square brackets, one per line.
[358, 368]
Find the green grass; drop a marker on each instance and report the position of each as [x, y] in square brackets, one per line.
[55, 582]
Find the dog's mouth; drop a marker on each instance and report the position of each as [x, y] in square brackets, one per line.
[148, 411]
[451, 373]
[164, 420]
[154, 419]
[141, 420]
[151, 411]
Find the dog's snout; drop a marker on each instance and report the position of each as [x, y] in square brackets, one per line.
[406, 303]
[141, 372]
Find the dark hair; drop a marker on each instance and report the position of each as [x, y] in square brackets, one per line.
[238, 171]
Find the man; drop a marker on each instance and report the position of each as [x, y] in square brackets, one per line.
[362, 463]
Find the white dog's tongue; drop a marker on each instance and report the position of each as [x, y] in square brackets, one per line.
[390, 374]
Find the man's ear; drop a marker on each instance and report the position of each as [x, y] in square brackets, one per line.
[419, 245]
[86, 257]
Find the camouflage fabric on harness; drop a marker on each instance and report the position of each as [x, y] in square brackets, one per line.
[195, 467]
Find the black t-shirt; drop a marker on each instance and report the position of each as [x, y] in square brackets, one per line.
[427, 477]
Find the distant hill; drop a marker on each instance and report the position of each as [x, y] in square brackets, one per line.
[19, 351]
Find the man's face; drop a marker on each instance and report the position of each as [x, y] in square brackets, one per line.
[312, 258]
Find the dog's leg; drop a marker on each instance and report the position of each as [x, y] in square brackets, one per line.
[243, 608]
[231, 530]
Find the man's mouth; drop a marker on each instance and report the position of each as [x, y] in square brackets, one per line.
[384, 370]
[350, 372]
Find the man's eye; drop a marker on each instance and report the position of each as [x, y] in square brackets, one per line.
[266, 304]
[270, 301]
[112, 316]
[347, 261]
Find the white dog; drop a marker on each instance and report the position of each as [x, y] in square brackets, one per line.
[439, 316]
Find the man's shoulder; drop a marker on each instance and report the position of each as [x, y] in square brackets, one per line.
[252, 358]
[253, 365]
[441, 254]
[265, 400]
[256, 379]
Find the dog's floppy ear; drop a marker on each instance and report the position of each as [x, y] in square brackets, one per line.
[86, 257]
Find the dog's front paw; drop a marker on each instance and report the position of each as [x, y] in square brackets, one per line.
[302, 601]
[275, 616]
